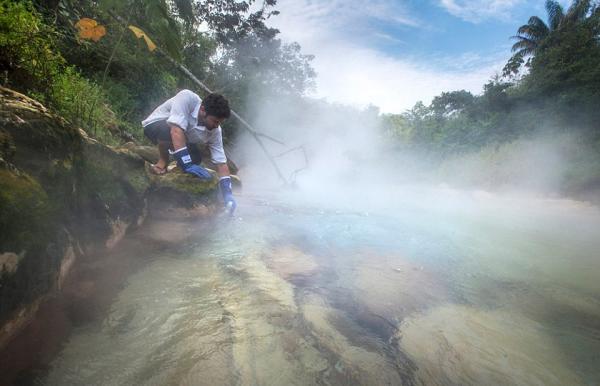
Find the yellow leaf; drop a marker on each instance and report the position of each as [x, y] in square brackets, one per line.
[141, 34]
[90, 29]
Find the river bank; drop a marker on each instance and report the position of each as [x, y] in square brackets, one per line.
[66, 197]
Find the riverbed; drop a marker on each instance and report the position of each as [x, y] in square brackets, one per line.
[440, 287]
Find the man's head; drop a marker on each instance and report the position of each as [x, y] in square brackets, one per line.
[213, 111]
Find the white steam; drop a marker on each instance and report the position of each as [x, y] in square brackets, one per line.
[342, 146]
[350, 165]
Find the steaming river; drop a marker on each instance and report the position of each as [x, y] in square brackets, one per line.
[448, 288]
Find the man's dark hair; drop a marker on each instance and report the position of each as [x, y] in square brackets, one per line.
[216, 105]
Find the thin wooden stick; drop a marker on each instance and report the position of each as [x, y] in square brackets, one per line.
[245, 124]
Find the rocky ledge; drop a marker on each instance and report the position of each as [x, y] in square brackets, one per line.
[65, 196]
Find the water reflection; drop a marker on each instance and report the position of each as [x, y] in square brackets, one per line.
[292, 294]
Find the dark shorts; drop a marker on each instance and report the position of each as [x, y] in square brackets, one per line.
[161, 131]
[158, 131]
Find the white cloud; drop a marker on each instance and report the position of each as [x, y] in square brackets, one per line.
[302, 19]
[350, 71]
[361, 76]
[476, 11]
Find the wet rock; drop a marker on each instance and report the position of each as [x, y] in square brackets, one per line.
[150, 154]
[119, 320]
[357, 365]
[393, 287]
[176, 181]
[177, 213]
[289, 262]
[9, 262]
[461, 345]
[267, 343]
[118, 229]
[165, 232]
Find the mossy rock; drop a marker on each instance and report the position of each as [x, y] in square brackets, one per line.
[39, 134]
[182, 189]
[7, 146]
[148, 153]
[59, 187]
[179, 181]
[25, 211]
[115, 165]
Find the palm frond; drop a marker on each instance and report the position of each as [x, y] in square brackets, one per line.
[524, 46]
[578, 11]
[539, 25]
[535, 29]
[556, 14]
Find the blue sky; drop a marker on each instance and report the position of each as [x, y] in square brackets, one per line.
[439, 30]
[392, 53]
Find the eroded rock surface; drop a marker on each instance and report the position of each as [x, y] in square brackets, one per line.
[65, 196]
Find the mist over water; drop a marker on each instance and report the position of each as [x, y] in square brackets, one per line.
[359, 274]
[511, 249]
[347, 161]
[293, 293]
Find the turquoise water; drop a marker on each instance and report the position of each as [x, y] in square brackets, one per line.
[442, 287]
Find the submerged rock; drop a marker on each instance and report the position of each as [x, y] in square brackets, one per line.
[289, 262]
[462, 345]
[394, 287]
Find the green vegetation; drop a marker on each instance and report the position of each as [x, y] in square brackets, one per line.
[108, 86]
[85, 104]
[60, 191]
[532, 36]
[29, 55]
[549, 88]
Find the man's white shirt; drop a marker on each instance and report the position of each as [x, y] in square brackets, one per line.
[182, 110]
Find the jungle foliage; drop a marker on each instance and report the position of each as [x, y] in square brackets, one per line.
[551, 84]
[108, 86]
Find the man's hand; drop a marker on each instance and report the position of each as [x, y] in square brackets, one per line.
[228, 200]
[184, 161]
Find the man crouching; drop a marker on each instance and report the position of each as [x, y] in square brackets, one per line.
[186, 119]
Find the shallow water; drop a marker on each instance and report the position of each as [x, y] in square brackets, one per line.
[452, 288]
